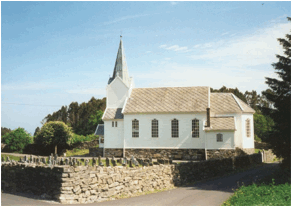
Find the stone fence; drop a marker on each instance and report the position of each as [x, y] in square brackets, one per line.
[69, 182]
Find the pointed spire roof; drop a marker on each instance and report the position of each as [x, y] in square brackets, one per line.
[121, 68]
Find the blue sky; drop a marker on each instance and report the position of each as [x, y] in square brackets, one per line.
[54, 53]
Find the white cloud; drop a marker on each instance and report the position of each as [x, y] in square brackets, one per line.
[256, 49]
[225, 33]
[174, 74]
[162, 46]
[125, 18]
[175, 48]
[92, 91]
[30, 86]
[173, 3]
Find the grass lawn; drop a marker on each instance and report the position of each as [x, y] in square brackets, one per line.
[11, 157]
[77, 151]
[274, 190]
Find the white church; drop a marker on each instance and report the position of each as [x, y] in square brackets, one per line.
[178, 122]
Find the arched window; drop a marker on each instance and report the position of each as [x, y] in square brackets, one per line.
[219, 137]
[174, 128]
[154, 129]
[135, 128]
[195, 128]
[247, 127]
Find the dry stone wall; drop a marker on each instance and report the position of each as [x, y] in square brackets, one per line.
[92, 183]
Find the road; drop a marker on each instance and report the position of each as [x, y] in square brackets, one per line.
[208, 193]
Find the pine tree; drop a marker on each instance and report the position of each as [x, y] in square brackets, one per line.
[280, 96]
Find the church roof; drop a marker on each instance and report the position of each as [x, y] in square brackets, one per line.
[113, 113]
[121, 68]
[99, 130]
[167, 99]
[228, 103]
[221, 123]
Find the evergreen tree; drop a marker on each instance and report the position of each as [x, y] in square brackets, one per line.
[280, 96]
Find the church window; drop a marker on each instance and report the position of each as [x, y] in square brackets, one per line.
[195, 128]
[174, 128]
[113, 124]
[116, 124]
[154, 128]
[135, 128]
[219, 137]
[247, 125]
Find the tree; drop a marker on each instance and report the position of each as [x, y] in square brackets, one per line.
[4, 131]
[17, 140]
[77, 115]
[36, 131]
[263, 126]
[54, 133]
[95, 119]
[280, 96]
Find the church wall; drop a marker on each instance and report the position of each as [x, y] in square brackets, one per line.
[248, 142]
[113, 136]
[238, 132]
[228, 140]
[117, 92]
[145, 140]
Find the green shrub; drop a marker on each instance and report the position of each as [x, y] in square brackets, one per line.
[17, 140]
[256, 138]
[80, 138]
[54, 133]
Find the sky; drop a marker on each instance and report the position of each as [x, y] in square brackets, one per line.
[55, 53]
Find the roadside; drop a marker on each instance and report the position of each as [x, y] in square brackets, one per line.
[212, 193]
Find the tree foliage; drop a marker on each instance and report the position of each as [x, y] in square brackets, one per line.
[263, 126]
[4, 131]
[17, 140]
[37, 130]
[54, 133]
[280, 96]
[79, 116]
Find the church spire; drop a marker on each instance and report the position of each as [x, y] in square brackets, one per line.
[121, 68]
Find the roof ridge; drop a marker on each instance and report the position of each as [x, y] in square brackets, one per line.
[235, 98]
[176, 87]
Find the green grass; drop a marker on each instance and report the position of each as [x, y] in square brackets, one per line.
[11, 157]
[274, 190]
[261, 195]
[77, 151]
[256, 150]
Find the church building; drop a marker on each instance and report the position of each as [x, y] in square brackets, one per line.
[178, 122]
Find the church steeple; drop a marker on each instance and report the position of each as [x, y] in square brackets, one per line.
[121, 68]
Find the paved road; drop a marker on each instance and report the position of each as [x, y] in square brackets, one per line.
[209, 193]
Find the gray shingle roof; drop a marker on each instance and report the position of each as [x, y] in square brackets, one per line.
[167, 99]
[113, 113]
[99, 130]
[221, 123]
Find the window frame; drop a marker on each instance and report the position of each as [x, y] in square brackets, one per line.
[116, 124]
[113, 124]
[175, 128]
[195, 128]
[135, 128]
[154, 128]
[247, 128]
[219, 137]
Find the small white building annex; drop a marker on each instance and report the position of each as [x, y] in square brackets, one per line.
[177, 122]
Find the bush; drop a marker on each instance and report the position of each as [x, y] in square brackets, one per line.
[80, 138]
[54, 133]
[256, 138]
[17, 140]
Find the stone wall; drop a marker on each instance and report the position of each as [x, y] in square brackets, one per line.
[95, 152]
[86, 144]
[109, 152]
[225, 153]
[39, 180]
[87, 184]
[268, 156]
[177, 154]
